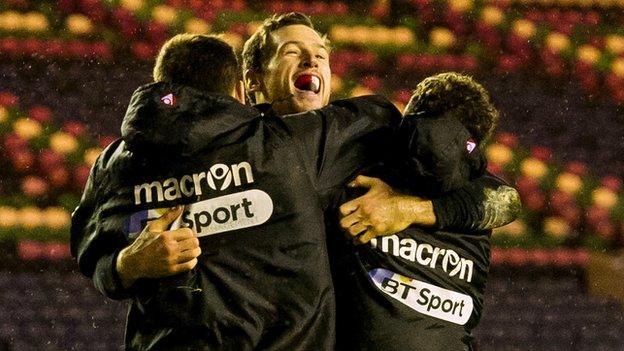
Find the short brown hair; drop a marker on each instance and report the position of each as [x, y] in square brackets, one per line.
[204, 62]
[259, 47]
[450, 90]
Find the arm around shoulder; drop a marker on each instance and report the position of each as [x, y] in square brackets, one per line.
[484, 203]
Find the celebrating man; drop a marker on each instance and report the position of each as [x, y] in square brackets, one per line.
[254, 189]
[286, 66]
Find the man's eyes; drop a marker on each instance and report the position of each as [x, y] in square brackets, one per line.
[293, 52]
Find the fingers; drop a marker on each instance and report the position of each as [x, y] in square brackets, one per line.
[364, 182]
[163, 222]
[356, 229]
[361, 233]
[348, 221]
[188, 244]
[183, 267]
[348, 207]
[188, 255]
[365, 237]
[180, 234]
[374, 184]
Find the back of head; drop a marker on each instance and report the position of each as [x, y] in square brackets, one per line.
[447, 91]
[203, 62]
[440, 153]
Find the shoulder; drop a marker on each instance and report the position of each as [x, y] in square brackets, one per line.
[373, 108]
[110, 154]
[364, 104]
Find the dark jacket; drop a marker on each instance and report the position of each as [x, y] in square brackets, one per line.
[420, 289]
[255, 187]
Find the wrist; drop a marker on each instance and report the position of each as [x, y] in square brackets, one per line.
[123, 268]
[420, 211]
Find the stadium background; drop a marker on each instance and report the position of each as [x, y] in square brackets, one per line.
[555, 68]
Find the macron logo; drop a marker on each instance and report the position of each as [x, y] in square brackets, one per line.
[426, 255]
[168, 100]
[219, 177]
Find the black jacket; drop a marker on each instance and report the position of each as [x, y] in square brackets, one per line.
[255, 187]
[420, 289]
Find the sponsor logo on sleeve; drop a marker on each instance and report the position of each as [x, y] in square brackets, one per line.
[221, 214]
[424, 298]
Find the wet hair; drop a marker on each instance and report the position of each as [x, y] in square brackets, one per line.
[204, 62]
[259, 48]
[447, 91]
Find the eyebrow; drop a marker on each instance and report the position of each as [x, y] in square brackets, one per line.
[299, 42]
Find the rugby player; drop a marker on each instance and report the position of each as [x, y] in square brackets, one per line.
[286, 68]
[421, 289]
[243, 264]
[267, 286]
[286, 65]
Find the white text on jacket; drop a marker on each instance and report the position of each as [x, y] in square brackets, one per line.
[426, 255]
[218, 177]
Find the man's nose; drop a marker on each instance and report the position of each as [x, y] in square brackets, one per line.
[309, 60]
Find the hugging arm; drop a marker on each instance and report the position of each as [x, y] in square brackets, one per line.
[484, 203]
[336, 141]
[106, 256]
[95, 252]
[487, 202]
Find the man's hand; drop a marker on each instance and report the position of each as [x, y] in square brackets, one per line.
[158, 252]
[382, 211]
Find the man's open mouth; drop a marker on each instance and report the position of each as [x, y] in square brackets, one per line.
[308, 82]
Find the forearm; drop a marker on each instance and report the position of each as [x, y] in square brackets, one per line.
[123, 270]
[95, 252]
[96, 255]
[485, 203]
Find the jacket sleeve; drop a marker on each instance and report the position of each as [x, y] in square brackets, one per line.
[96, 252]
[335, 140]
[485, 202]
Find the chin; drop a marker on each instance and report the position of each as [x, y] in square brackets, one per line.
[308, 105]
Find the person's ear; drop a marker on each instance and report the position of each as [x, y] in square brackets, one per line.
[254, 85]
[239, 91]
[253, 80]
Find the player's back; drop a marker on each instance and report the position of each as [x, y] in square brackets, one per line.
[263, 280]
[415, 290]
